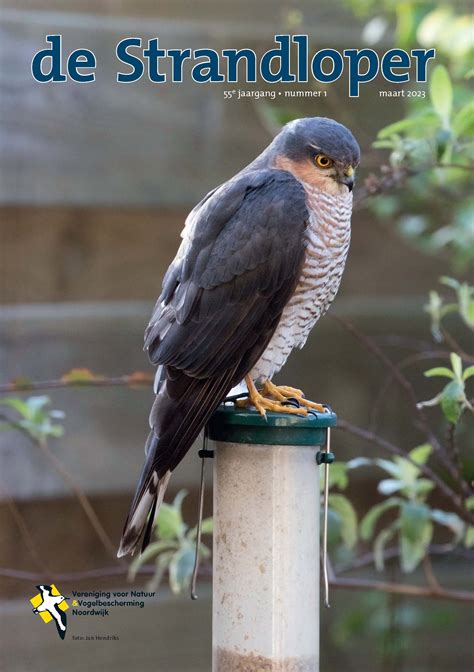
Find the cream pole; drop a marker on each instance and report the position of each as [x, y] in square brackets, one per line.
[266, 558]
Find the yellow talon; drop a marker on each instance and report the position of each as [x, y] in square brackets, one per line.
[283, 392]
[272, 396]
[264, 404]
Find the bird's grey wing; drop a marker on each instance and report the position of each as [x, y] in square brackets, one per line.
[222, 298]
[60, 619]
[242, 256]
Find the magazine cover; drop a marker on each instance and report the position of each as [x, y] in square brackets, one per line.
[236, 336]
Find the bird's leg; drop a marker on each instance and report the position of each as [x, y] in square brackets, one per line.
[264, 404]
[283, 392]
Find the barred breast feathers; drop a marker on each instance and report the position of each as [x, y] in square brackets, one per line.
[327, 245]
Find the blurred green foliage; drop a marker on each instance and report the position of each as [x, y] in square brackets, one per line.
[32, 417]
[414, 518]
[390, 625]
[434, 142]
[426, 190]
[173, 549]
[342, 516]
[433, 145]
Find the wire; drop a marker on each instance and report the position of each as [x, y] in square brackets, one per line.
[199, 525]
[325, 521]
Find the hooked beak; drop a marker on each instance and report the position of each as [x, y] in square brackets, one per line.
[348, 181]
[348, 178]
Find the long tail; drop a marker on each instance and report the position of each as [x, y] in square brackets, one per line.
[181, 409]
[147, 501]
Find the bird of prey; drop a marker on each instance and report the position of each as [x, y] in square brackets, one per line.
[50, 604]
[260, 262]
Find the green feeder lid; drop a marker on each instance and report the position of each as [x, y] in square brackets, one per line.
[236, 425]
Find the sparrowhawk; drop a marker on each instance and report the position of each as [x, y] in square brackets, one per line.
[260, 262]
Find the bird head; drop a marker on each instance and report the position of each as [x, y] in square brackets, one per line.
[320, 152]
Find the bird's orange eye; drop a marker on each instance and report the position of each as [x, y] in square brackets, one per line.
[323, 161]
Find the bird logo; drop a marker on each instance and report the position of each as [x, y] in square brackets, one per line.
[51, 605]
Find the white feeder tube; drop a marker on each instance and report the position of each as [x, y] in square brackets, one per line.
[266, 558]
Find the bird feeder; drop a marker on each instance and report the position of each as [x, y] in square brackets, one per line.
[266, 540]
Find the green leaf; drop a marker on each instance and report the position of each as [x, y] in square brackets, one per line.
[404, 125]
[468, 373]
[450, 520]
[207, 527]
[456, 363]
[463, 121]
[469, 503]
[450, 282]
[412, 552]
[181, 569]
[433, 308]
[466, 295]
[169, 523]
[469, 537]
[389, 485]
[416, 531]
[413, 518]
[348, 516]
[380, 542]
[407, 22]
[178, 500]
[441, 94]
[150, 552]
[36, 406]
[80, 376]
[204, 552]
[390, 467]
[21, 383]
[17, 405]
[452, 398]
[357, 462]
[439, 371]
[337, 476]
[420, 454]
[409, 472]
[383, 144]
[161, 565]
[422, 487]
[370, 519]
[334, 528]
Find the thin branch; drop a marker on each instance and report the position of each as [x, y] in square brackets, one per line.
[454, 345]
[390, 178]
[459, 166]
[438, 593]
[365, 434]
[394, 552]
[387, 180]
[405, 384]
[81, 496]
[69, 480]
[408, 343]
[205, 571]
[408, 361]
[454, 451]
[334, 582]
[132, 380]
[24, 531]
[403, 589]
[430, 576]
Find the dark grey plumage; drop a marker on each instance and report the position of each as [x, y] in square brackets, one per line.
[223, 297]
[219, 307]
[322, 134]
